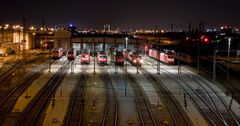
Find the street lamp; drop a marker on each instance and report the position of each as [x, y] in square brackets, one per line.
[214, 60]
[94, 72]
[126, 39]
[126, 68]
[229, 46]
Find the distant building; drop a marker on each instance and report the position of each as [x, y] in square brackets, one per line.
[106, 28]
[62, 38]
[14, 40]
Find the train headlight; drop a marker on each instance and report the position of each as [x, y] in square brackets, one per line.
[134, 61]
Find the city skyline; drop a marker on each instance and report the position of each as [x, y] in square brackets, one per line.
[122, 14]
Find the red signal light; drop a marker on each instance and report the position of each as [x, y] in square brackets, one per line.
[145, 47]
[205, 39]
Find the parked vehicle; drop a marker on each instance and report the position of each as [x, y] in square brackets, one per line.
[85, 56]
[57, 53]
[102, 58]
[71, 54]
[166, 56]
[118, 58]
[134, 57]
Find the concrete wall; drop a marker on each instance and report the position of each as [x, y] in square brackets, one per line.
[62, 39]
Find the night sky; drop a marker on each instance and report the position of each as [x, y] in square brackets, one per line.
[123, 14]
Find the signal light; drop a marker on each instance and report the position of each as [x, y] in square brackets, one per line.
[145, 47]
[205, 39]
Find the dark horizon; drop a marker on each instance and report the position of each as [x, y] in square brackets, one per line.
[122, 14]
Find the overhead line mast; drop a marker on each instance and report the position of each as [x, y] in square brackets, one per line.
[24, 46]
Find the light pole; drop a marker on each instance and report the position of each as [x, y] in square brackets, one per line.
[158, 50]
[126, 68]
[214, 61]
[198, 56]
[24, 45]
[126, 39]
[179, 66]
[229, 47]
[94, 72]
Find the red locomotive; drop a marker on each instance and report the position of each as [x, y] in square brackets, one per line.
[71, 54]
[57, 53]
[85, 56]
[102, 58]
[167, 56]
[134, 57]
[118, 58]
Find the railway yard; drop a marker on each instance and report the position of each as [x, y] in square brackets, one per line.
[61, 92]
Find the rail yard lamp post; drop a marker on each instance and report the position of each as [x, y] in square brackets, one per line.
[126, 39]
[214, 60]
[229, 47]
[94, 72]
[158, 50]
[126, 68]
[198, 56]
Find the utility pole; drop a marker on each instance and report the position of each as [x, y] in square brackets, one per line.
[201, 26]
[24, 46]
[49, 61]
[158, 56]
[229, 49]
[171, 30]
[178, 55]
[72, 67]
[185, 100]
[138, 61]
[189, 27]
[198, 56]
[126, 64]
[214, 61]
[94, 72]
[214, 65]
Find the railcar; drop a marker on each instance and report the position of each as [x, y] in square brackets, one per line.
[118, 58]
[102, 58]
[85, 56]
[135, 58]
[71, 54]
[57, 53]
[169, 56]
[165, 56]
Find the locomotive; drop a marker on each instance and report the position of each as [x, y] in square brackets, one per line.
[134, 57]
[85, 56]
[71, 54]
[102, 58]
[166, 56]
[118, 58]
[57, 53]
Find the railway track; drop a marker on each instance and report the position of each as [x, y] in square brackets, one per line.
[145, 114]
[209, 112]
[15, 66]
[178, 115]
[217, 100]
[75, 114]
[38, 104]
[203, 106]
[110, 117]
[8, 102]
[10, 70]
